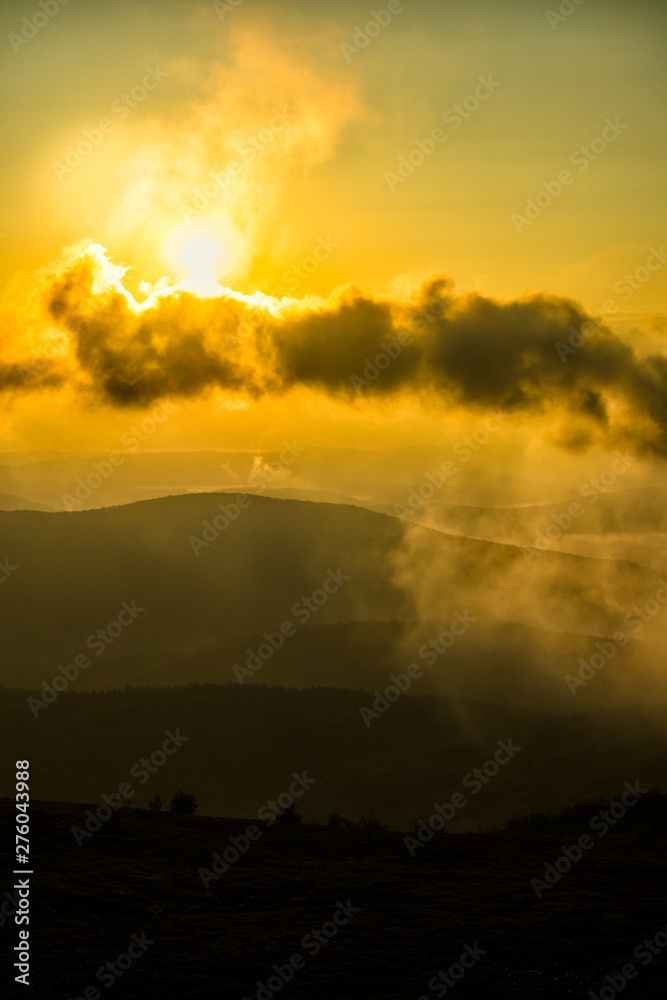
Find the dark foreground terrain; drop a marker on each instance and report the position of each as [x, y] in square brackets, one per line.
[403, 920]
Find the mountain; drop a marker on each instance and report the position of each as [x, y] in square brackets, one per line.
[159, 581]
[10, 502]
[240, 745]
[510, 663]
[493, 477]
[634, 512]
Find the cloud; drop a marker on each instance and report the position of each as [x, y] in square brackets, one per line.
[257, 121]
[29, 375]
[442, 348]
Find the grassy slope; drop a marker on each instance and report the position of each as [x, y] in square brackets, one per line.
[139, 875]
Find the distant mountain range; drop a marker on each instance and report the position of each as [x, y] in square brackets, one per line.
[10, 502]
[243, 744]
[208, 581]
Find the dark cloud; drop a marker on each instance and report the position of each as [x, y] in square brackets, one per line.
[328, 349]
[33, 373]
[540, 355]
[176, 348]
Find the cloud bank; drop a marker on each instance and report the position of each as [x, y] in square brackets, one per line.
[442, 348]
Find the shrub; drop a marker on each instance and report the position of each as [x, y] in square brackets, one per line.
[184, 802]
[373, 825]
[290, 815]
[156, 804]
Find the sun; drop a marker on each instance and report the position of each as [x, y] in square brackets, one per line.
[202, 250]
[201, 254]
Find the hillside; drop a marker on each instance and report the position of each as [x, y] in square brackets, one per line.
[407, 918]
[243, 743]
[10, 502]
[77, 573]
[632, 511]
[510, 663]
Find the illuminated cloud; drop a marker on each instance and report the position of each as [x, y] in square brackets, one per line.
[442, 349]
[263, 122]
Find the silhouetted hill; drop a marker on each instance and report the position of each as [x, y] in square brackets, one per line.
[493, 477]
[350, 471]
[10, 502]
[509, 662]
[406, 918]
[75, 572]
[243, 743]
[635, 511]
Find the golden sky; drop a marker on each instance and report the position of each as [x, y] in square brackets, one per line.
[313, 145]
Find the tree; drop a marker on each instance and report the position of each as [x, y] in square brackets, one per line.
[184, 802]
[289, 815]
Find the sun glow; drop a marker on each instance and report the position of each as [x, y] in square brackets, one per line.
[202, 251]
[201, 254]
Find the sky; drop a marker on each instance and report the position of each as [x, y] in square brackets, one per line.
[331, 161]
